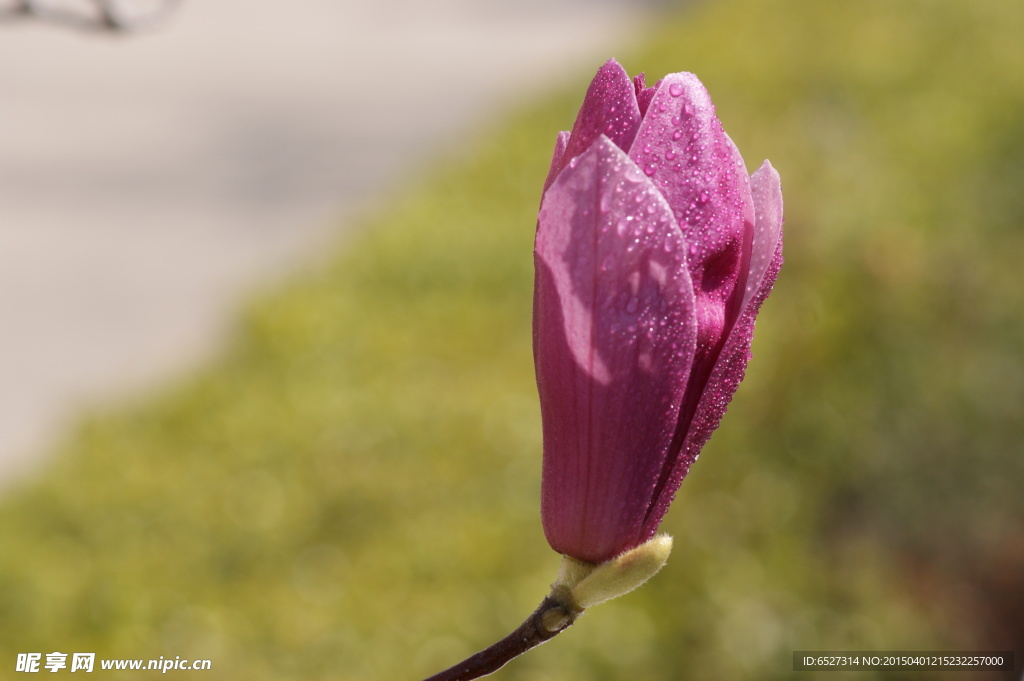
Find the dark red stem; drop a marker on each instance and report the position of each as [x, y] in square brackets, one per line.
[547, 621]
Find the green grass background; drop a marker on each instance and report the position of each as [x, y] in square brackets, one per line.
[351, 491]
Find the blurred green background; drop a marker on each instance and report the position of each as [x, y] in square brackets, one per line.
[351, 492]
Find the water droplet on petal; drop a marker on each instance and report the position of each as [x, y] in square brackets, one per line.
[633, 174]
[688, 109]
[675, 89]
[649, 169]
[677, 134]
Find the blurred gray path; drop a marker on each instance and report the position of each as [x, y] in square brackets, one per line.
[149, 182]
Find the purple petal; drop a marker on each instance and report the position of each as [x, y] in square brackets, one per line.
[681, 146]
[609, 109]
[765, 259]
[614, 334]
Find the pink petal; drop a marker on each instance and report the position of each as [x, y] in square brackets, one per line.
[561, 142]
[614, 338]
[609, 109]
[765, 259]
[639, 85]
[644, 94]
[766, 248]
[681, 146]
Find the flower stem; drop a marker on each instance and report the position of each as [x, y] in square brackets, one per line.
[552, 617]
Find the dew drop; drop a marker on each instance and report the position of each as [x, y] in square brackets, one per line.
[632, 173]
[688, 109]
[649, 169]
[677, 134]
[622, 226]
[675, 89]
[670, 155]
[647, 148]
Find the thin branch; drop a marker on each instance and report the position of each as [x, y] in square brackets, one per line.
[551, 618]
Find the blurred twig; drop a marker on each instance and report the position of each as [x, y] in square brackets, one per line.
[117, 16]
